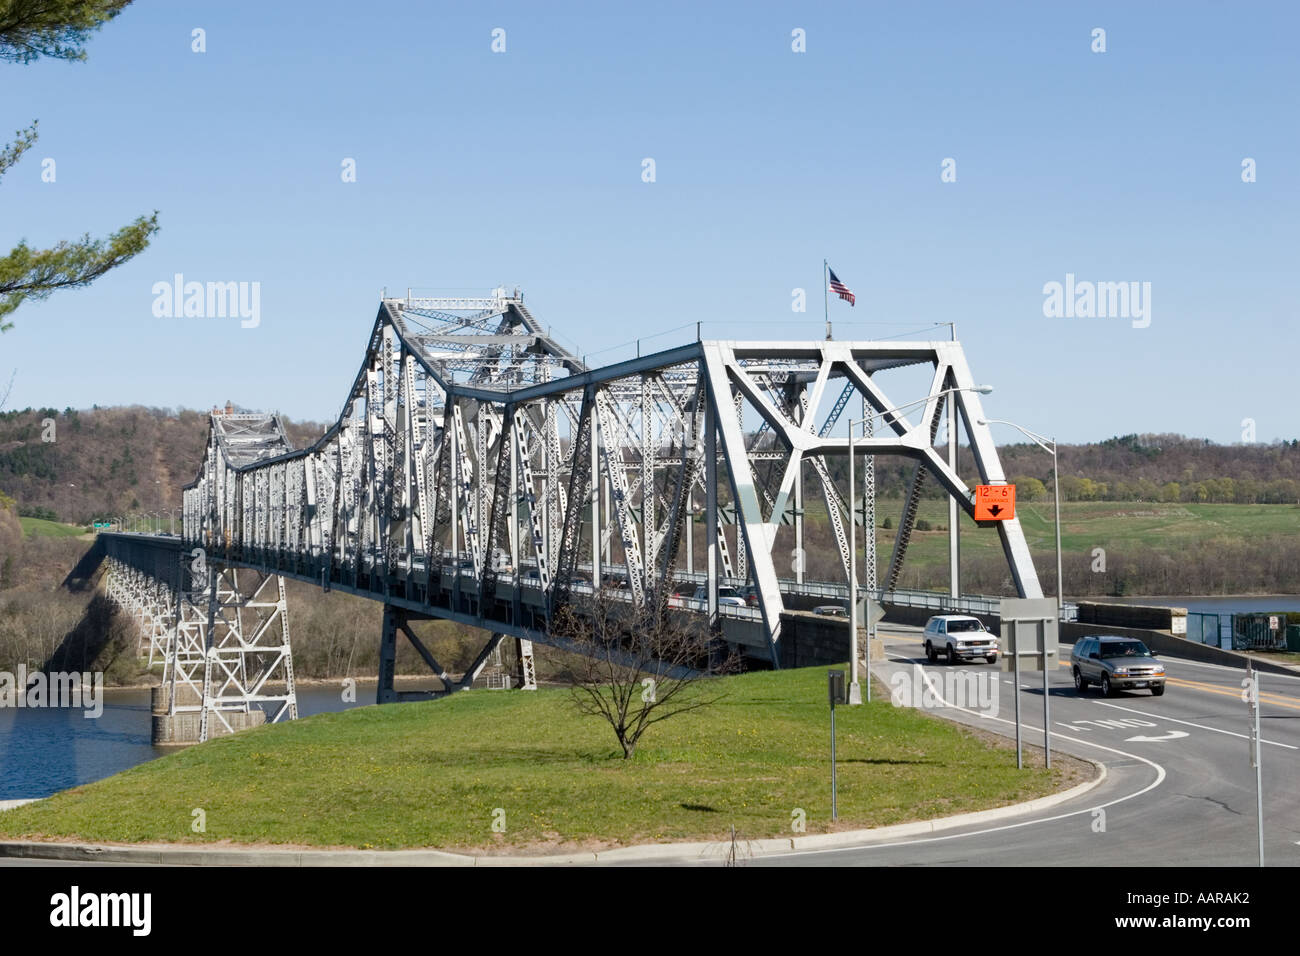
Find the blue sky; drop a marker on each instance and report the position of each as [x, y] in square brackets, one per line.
[476, 168]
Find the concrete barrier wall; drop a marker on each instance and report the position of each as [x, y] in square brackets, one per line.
[1129, 615]
[806, 602]
[917, 616]
[812, 640]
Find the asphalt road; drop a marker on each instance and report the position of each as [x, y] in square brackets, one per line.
[1180, 789]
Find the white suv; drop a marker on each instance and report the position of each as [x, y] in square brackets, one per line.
[960, 638]
[726, 596]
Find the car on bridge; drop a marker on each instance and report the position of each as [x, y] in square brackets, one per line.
[1115, 663]
[726, 596]
[960, 638]
[831, 610]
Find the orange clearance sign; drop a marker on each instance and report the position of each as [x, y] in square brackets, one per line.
[995, 502]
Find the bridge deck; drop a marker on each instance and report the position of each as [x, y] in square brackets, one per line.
[518, 607]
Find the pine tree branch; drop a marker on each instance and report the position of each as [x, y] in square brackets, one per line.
[14, 151]
[58, 29]
[33, 274]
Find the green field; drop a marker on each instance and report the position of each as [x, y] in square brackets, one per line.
[34, 527]
[431, 775]
[1113, 525]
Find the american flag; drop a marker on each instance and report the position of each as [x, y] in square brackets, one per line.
[839, 288]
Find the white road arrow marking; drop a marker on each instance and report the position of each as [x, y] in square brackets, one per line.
[1172, 735]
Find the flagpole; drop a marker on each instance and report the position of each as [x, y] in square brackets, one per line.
[826, 297]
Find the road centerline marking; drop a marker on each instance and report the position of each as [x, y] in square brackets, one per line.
[1267, 697]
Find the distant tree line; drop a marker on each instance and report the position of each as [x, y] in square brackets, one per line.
[105, 462]
[1149, 468]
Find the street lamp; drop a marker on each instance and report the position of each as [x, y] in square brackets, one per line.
[855, 689]
[1048, 444]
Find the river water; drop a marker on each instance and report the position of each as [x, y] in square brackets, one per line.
[44, 750]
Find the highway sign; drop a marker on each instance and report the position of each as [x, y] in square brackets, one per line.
[869, 612]
[1030, 638]
[995, 502]
[1030, 627]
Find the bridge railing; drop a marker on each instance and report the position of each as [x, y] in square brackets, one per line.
[938, 601]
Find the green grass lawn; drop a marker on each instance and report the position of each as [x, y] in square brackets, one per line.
[32, 527]
[431, 774]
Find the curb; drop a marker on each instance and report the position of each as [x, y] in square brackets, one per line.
[173, 855]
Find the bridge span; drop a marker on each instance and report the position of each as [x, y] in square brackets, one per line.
[480, 472]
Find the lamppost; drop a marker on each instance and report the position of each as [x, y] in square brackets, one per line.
[855, 689]
[1047, 444]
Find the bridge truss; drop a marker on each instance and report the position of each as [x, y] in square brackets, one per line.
[481, 472]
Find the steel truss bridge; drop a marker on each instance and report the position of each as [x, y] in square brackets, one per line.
[480, 472]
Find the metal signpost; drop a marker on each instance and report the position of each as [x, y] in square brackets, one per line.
[870, 614]
[855, 691]
[835, 690]
[1030, 628]
[1252, 708]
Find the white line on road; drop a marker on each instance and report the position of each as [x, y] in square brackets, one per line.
[1160, 778]
[1190, 724]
